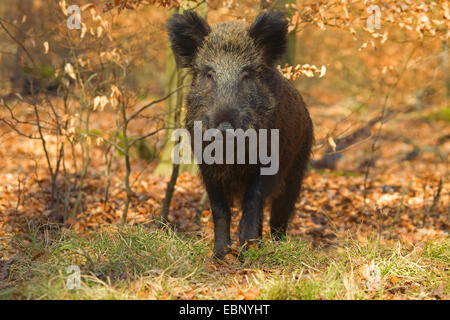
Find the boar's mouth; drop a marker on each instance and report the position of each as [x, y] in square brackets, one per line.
[223, 126]
[226, 119]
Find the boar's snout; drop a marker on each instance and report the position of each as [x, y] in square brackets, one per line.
[223, 119]
[224, 126]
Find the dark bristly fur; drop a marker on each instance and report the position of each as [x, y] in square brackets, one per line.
[235, 81]
[186, 34]
[270, 34]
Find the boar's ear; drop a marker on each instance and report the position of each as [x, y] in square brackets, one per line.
[186, 33]
[269, 32]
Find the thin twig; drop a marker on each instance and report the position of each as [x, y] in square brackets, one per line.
[141, 109]
[435, 201]
[400, 207]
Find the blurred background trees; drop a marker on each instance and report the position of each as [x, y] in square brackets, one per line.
[99, 102]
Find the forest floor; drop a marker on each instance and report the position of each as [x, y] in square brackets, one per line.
[138, 263]
[384, 237]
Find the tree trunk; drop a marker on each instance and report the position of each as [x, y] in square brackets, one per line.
[172, 79]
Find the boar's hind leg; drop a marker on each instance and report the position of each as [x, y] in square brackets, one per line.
[221, 217]
[250, 227]
[283, 205]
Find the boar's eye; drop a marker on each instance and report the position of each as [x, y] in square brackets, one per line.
[210, 75]
[245, 76]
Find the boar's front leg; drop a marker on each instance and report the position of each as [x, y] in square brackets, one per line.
[250, 227]
[221, 217]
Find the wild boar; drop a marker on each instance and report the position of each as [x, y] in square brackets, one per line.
[236, 85]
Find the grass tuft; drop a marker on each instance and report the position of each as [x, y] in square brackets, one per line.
[138, 263]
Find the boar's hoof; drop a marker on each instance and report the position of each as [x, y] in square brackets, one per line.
[220, 254]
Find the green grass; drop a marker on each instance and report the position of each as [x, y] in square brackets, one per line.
[138, 263]
[442, 115]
